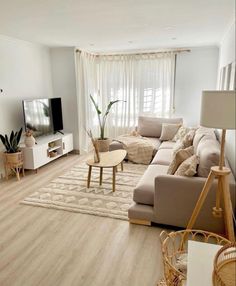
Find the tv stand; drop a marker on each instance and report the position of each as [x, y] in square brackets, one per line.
[59, 132]
[48, 148]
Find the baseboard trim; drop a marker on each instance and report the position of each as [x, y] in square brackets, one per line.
[140, 221]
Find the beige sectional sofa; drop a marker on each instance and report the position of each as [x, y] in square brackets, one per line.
[170, 199]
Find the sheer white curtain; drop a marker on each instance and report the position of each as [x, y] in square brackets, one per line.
[143, 82]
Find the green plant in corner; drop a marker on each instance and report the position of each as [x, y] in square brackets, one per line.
[102, 118]
[12, 143]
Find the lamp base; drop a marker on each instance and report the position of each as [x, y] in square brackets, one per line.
[221, 174]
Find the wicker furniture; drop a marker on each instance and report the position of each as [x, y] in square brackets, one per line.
[225, 266]
[13, 162]
[175, 249]
[107, 160]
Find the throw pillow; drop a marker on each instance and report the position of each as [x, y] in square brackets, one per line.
[179, 136]
[178, 145]
[178, 158]
[188, 138]
[168, 131]
[188, 167]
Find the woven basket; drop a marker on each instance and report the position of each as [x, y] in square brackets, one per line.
[224, 273]
[175, 248]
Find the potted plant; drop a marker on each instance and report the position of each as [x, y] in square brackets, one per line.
[103, 142]
[13, 154]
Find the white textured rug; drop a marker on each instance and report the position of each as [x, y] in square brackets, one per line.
[69, 192]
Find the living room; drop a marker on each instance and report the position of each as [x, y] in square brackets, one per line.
[157, 63]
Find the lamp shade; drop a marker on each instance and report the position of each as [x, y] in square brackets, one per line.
[218, 109]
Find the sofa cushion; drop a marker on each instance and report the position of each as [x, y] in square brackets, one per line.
[178, 158]
[167, 145]
[151, 126]
[144, 191]
[188, 167]
[208, 151]
[163, 157]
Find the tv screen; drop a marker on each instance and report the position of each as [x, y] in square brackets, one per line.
[43, 116]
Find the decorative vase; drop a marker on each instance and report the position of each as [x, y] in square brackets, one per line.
[103, 144]
[29, 141]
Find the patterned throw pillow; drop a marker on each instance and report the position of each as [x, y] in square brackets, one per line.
[178, 158]
[188, 138]
[188, 167]
[168, 131]
[179, 136]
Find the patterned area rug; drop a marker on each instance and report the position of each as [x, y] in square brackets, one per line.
[69, 192]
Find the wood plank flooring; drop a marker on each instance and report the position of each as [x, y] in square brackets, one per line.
[45, 247]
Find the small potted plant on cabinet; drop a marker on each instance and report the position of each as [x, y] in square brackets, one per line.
[103, 142]
[13, 155]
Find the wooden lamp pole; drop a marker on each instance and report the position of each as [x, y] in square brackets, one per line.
[225, 113]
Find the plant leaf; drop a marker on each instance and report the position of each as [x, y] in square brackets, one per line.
[95, 105]
[110, 105]
[7, 144]
[12, 136]
[3, 139]
[18, 136]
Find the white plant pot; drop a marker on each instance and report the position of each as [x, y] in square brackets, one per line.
[29, 141]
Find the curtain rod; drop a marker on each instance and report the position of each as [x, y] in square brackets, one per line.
[139, 54]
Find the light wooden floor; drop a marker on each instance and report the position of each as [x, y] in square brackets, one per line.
[39, 246]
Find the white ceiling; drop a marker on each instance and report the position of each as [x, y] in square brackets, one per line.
[111, 25]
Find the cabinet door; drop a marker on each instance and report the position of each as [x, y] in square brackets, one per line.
[67, 143]
[35, 157]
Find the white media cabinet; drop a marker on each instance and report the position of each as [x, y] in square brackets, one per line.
[47, 149]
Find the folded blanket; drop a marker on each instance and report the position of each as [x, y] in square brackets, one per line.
[139, 149]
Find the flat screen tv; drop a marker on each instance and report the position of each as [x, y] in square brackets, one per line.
[43, 116]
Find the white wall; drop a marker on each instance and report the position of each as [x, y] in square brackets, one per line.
[64, 86]
[25, 72]
[227, 56]
[195, 71]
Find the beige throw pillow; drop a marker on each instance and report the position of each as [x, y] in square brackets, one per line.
[178, 158]
[182, 131]
[168, 131]
[188, 138]
[188, 167]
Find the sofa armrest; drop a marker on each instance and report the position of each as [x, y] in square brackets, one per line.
[176, 196]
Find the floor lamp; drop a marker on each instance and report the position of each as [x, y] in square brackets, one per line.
[218, 111]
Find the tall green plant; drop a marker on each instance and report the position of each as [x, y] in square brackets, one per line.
[11, 143]
[102, 118]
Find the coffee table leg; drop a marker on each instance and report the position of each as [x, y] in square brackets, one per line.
[101, 170]
[89, 176]
[122, 167]
[114, 179]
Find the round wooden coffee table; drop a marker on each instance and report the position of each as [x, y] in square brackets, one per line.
[107, 160]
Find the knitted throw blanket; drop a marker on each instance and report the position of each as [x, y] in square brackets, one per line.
[139, 149]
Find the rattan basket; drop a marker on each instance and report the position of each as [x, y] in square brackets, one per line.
[175, 247]
[224, 273]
